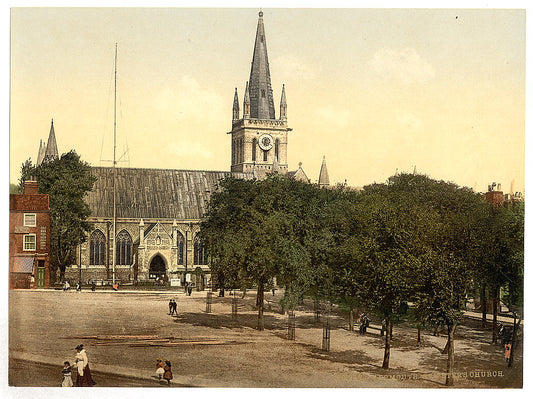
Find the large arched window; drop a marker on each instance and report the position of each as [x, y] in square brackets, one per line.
[276, 150]
[97, 248]
[254, 146]
[124, 244]
[200, 252]
[180, 244]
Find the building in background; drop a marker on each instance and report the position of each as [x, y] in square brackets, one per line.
[29, 238]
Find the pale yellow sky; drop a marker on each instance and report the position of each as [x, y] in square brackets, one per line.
[373, 90]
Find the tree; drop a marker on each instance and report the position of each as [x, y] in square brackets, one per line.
[67, 180]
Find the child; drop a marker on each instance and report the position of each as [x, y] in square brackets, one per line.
[168, 371]
[507, 352]
[67, 375]
[159, 368]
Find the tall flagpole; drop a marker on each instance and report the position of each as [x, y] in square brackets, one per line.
[115, 172]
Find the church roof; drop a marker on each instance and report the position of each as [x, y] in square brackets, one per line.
[261, 97]
[154, 193]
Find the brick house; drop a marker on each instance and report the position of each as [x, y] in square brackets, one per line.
[29, 238]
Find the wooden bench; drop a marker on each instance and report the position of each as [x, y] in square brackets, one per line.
[380, 329]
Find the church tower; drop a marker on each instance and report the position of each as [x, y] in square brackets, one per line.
[258, 139]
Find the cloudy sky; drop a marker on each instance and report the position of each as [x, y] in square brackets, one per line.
[372, 90]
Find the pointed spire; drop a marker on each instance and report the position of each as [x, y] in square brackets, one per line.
[51, 146]
[323, 178]
[41, 153]
[261, 98]
[246, 110]
[283, 105]
[236, 106]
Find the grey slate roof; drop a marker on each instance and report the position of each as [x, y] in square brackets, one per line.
[154, 193]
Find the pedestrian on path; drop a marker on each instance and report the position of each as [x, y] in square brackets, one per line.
[84, 372]
[67, 375]
[159, 368]
[170, 306]
[507, 352]
[174, 307]
[168, 371]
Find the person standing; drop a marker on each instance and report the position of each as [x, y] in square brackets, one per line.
[168, 371]
[507, 347]
[174, 307]
[159, 368]
[67, 375]
[82, 365]
[170, 307]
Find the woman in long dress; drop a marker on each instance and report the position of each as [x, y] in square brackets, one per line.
[84, 372]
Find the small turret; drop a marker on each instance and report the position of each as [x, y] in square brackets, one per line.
[283, 105]
[235, 106]
[323, 178]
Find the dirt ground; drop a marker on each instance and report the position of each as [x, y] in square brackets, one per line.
[125, 332]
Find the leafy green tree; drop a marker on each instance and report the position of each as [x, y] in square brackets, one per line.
[66, 179]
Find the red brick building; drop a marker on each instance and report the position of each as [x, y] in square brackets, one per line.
[29, 238]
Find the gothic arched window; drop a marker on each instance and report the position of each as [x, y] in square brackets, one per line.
[97, 248]
[200, 252]
[124, 244]
[265, 155]
[180, 244]
[254, 145]
[276, 150]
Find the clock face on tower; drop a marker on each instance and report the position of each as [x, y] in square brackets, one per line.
[266, 142]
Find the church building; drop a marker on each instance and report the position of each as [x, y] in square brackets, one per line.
[158, 211]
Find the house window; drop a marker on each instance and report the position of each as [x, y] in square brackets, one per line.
[97, 248]
[200, 252]
[29, 242]
[30, 219]
[124, 244]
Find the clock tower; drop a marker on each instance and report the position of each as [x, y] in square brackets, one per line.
[258, 139]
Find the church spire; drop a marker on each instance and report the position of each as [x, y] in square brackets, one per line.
[235, 106]
[51, 146]
[261, 98]
[323, 178]
[41, 153]
[283, 105]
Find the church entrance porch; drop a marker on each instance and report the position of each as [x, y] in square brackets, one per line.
[158, 270]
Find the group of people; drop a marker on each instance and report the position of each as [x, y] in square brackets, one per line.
[83, 372]
[164, 371]
[172, 307]
[364, 323]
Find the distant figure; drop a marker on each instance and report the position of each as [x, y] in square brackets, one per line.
[273, 291]
[115, 287]
[170, 307]
[78, 286]
[221, 292]
[174, 307]
[67, 375]
[168, 371]
[365, 322]
[66, 286]
[189, 289]
[159, 368]
[507, 352]
[93, 287]
[186, 287]
[84, 372]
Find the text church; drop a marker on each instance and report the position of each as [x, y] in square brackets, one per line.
[158, 211]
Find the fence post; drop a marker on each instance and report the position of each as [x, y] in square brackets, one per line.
[317, 310]
[326, 336]
[208, 302]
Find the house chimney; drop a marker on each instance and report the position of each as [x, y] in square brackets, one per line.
[31, 187]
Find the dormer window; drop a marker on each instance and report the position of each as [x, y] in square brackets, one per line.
[262, 93]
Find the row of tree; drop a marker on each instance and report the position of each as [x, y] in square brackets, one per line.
[412, 239]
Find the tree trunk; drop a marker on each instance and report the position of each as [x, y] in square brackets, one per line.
[350, 320]
[483, 306]
[495, 308]
[451, 359]
[514, 340]
[388, 332]
[418, 336]
[260, 301]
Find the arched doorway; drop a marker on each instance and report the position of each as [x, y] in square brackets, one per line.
[158, 270]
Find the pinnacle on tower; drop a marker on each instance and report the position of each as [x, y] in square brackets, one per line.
[235, 106]
[41, 153]
[51, 146]
[283, 105]
[323, 178]
[246, 105]
[261, 97]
